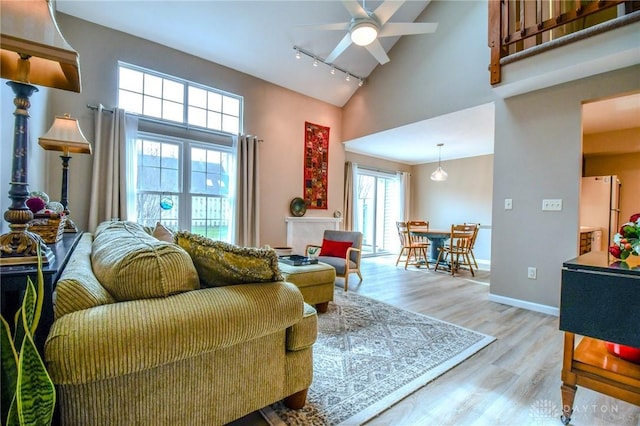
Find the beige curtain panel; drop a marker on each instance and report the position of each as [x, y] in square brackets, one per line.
[247, 226]
[113, 128]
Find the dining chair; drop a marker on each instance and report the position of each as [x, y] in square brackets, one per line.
[456, 253]
[476, 227]
[418, 244]
[403, 236]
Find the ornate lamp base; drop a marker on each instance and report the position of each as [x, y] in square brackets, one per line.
[20, 247]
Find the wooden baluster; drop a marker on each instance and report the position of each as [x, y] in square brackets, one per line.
[539, 17]
[523, 24]
[495, 43]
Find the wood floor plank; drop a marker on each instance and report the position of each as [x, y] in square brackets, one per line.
[515, 380]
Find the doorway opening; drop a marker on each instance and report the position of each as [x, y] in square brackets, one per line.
[610, 168]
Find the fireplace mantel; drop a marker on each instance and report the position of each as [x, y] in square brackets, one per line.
[308, 230]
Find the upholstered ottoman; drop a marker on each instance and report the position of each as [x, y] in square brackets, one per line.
[315, 282]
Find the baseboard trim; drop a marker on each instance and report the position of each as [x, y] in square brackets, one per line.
[536, 307]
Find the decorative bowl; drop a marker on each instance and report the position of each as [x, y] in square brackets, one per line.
[298, 207]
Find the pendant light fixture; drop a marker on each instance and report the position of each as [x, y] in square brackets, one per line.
[439, 175]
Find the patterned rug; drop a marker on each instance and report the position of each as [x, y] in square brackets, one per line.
[370, 355]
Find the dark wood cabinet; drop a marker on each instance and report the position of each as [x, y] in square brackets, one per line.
[600, 301]
[13, 281]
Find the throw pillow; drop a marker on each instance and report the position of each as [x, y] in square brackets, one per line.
[163, 233]
[335, 248]
[131, 264]
[219, 263]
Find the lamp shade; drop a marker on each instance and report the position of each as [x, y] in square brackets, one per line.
[439, 175]
[65, 135]
[32, 49]
[364, 33]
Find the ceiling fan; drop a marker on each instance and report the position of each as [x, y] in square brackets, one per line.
[365, 27]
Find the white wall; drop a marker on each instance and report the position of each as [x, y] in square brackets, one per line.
[466, 196]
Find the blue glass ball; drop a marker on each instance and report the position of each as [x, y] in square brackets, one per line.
[166, 203]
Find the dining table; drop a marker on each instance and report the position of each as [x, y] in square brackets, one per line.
[437, 237]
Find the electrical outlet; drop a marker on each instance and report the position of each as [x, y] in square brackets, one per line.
[532, 273]
[552, 205]
[508, 204]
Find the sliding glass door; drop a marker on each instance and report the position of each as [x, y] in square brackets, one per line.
[378, 208]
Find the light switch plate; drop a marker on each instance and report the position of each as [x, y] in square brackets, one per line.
[552, 204]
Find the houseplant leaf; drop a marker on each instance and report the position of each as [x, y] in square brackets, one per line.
[9, 358]
[23, 373]
[35, 392]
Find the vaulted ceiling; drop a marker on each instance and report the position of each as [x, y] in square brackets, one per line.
[258, 38]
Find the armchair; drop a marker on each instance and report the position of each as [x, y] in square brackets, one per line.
[342, 250]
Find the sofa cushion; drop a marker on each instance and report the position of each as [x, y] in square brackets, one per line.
[304, 333]
[129, 337]
[131, 264]
[163, 233]
[78, 288]
[219, 263]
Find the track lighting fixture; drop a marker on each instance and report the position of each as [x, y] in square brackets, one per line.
[317, 60]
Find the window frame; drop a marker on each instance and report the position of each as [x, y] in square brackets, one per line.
[185, 195]
[185, 106]
[187, 136]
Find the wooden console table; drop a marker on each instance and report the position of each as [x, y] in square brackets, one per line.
[13, 281]
[601, 302]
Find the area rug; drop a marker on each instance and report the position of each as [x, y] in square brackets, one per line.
[369, 355]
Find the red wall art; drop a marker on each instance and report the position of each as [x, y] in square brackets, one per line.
[316, 165]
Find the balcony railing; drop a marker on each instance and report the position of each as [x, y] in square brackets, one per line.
[521, 28]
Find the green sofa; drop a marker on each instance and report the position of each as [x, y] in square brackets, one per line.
[185, 356]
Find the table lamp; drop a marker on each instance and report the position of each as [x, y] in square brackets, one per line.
[32, 51]
[65, 135]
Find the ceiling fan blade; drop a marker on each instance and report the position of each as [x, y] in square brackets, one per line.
[355, 9]
[342, 26]
[399, 28]
[378, 52]
[341, 47]
[385, 11]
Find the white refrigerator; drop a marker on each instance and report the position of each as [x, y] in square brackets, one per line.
[599, 206]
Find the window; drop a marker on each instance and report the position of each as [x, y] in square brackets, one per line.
[182, 160]
[158, 96]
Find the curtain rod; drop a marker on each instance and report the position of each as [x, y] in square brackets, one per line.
[375, 169]
[95, 107]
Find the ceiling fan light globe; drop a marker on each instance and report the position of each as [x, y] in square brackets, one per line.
[364, 33]
[439, 175]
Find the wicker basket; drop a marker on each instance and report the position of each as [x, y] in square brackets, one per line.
[49, 226]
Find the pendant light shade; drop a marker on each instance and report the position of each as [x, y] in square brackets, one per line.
[439, 174]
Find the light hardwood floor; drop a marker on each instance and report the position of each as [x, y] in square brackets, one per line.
[513, 381]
